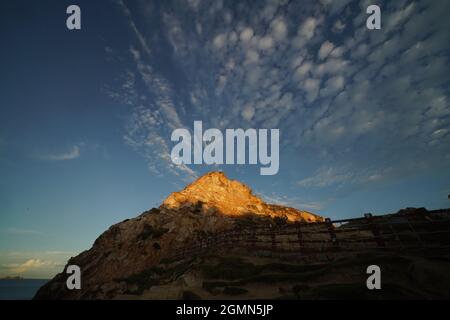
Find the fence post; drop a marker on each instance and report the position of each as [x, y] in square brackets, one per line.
[272, 235]
[299, 236]
[253, 240]
[235, 239]
[375, 231]
[332, 232]
[413, 230]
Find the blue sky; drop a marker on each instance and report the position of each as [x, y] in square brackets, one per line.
[86, 116]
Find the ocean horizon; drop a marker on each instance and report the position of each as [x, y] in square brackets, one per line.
[20, 289]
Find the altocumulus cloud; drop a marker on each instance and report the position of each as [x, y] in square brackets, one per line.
[362, 106]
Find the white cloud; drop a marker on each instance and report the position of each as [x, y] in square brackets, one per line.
[325, 177]
[338, 26]
[73, 153]
[220, 41]
[248, 112]
[29, 264]
[325, 49]
[266, 43]
[328, 176]
[333, 85]
[293, 202]
[35, 264]
[246, 35]
[303, 70]
[308, 28]
[311, 86]
[133, 26]
[335, 89]
[279, 29]
[252, 56]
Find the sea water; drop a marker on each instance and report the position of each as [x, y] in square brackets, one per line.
[20, 289]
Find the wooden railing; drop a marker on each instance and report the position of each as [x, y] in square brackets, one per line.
[423, 231]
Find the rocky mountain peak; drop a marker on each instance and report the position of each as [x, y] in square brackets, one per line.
[122, 258]
[215, 181]
[214, 191]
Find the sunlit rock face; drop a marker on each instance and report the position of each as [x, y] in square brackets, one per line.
[210, 205]
[172, 252]
[215, 191]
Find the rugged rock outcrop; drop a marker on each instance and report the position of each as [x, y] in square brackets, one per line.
[125, 258]
[232, 198]
[216, 240]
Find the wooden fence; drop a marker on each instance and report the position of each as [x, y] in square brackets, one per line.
[429, 231]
